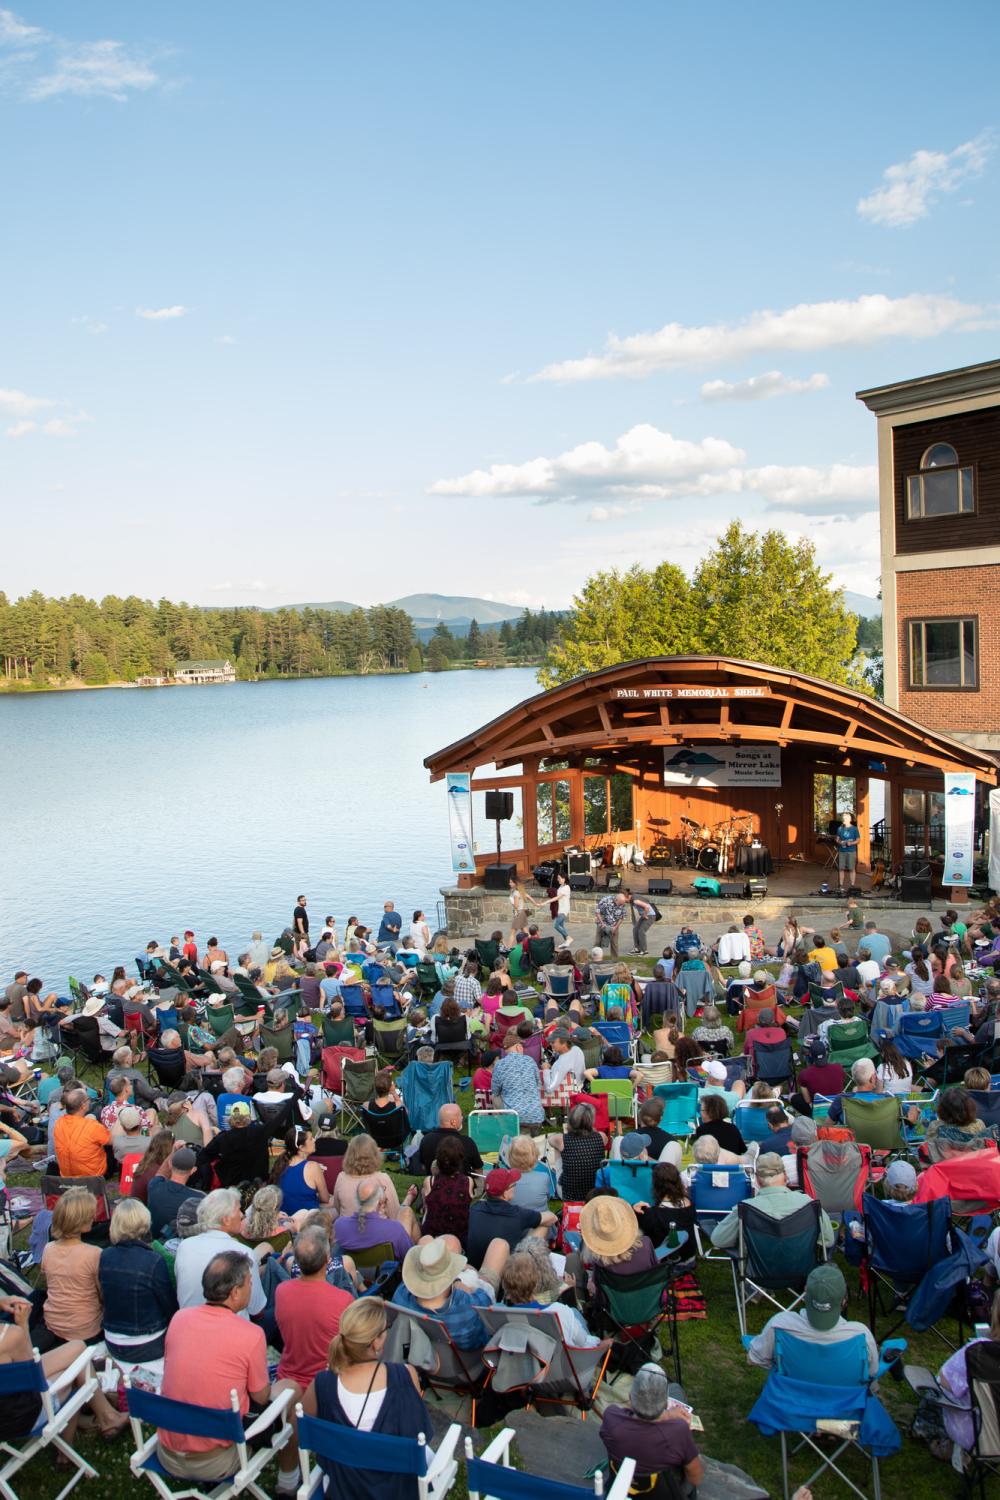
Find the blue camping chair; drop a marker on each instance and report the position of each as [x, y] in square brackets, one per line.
[902, 1242]
[885, 1018]
[491, 1477]
[987, 1104]
[953, 1016]
[680, 1107]
[713, 1192]
[750, 1119]
[618, 1034]
[376, 1452]
[225, 1425]
[353, 996]
[698, 989]
[143, 966]
[918, 1031]
[811, 1383]
[772, 1062]
[774, 1255]
[425, 1087]
[61, 1403]
[632, 1181]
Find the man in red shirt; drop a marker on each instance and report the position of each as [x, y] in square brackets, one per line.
[190, 949]
[211, 1351]
[308, 1310]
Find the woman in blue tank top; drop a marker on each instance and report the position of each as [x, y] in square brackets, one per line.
[301, 1179]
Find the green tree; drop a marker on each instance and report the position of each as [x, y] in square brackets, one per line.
[96, 669]
[762, 597]
[474, 640]
[415, 662]
[39, 676]
[618, 616]
[437, 659]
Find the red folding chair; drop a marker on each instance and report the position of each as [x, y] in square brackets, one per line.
[332, 1061]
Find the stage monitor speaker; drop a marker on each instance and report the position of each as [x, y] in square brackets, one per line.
[660, 887]
[755, 888]
[498, 877]
[578, 864]
[500, 806]
[731, 888]
[546, 874]
[581, 882]
[916, 889]
[915, 865]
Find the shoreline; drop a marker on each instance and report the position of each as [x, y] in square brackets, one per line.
[28, 690]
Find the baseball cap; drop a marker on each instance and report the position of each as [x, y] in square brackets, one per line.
[633, 1145]
[184, 1160]
[650, 1392]
[500, 1179]
[326, 1121]
[716, 1070]
[901, 1174]
[824, 1297]
[238, 1111]
[129, 1117]
[187, 1218]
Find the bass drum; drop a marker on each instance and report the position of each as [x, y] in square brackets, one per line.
[708, 858]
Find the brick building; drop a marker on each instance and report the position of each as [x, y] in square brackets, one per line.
[939, 501]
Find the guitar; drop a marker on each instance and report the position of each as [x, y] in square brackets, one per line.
[878, 875]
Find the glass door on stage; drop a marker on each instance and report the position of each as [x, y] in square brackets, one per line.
[832, 795]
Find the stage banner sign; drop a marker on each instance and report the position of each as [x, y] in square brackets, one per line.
[722, 765]
[994, 875]
[460, 821]
[959, 827]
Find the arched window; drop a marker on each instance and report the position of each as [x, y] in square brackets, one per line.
[942, 488]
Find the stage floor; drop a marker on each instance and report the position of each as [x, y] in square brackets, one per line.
[792, 880]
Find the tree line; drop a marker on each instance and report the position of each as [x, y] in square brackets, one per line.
[514, 642]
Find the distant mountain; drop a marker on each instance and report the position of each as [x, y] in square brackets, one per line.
[427, 610]
[860, 604]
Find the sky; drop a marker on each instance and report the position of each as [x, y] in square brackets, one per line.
[340, 300]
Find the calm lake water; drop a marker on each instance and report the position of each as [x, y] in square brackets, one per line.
[130, 815]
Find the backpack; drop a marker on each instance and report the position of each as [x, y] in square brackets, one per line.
[834, 1133]
[657, 913]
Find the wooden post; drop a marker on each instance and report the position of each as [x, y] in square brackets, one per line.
[529, 813]
[576, 814]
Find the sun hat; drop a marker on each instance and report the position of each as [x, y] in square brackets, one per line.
[238, 1111]
[430, 1269]
[824, 1296]
[650, 1392]
[744, 968]
[217, 966]
[609, 1226]
[129, 1117]
[901, 1174]
[277, 952]
[500, 1179]
[93, 1006]
[716, 1069]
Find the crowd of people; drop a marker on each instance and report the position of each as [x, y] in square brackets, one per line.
[206, 1194]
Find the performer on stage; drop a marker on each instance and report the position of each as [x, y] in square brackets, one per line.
[848, 836]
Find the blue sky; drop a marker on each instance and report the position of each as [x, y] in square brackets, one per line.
[347, 301]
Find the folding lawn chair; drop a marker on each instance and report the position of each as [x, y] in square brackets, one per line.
[348, 1449]
[836, 1174]
[849, 1041]
[487, 953]
[282, 1040]
[982, 1368]
[826, 1389]
[592, 1049]
[340, 1033]
[220, 1018]
[225, 1425]
[774, 1255]
[541, 951]
[818, 998]
[82, 1036]
[634, 1307]
[423, 1341]
[714, 1191]
[428, 982]
[750, 1119]
[489, 1128]
[874, 1122]
[390, 1040]
[559, 984]
[388, 1130]
[278, 1115]
[52, 1188]
[987, 1104]
[619, 1034]
[62, 1401]
[919, 1032]
[903, 1241]
[358, 1080]
[680, 1107]
[773, 1062]
[493, 1477]
[631, 1180]
[620, 1095]
[425, 1087]
[527, 1353]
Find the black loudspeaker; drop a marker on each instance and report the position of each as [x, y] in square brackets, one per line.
[731, 888]
[916, 889]
[755, 888]
[500, 806]
[581, 882]
[578, 863]
[546, 874]
[660, 887]
[915, 865]
[498, 877]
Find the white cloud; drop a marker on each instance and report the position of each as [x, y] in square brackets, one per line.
[762, 387]
[20, 429]
[910, 188]
[67, 426]
[808, 326]
[19, 404]
[803, 484]
[644, 462]
[226, 338]
[601, 513]
[162, 314]
[41, 65]
[91, 325]
[27, 412]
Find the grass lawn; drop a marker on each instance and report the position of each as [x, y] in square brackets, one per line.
[719, 1383]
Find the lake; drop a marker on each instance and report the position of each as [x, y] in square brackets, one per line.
[130, 815]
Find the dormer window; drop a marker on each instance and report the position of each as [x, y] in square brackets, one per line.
[942, 488]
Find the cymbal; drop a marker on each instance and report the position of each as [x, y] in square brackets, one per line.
[691, 822]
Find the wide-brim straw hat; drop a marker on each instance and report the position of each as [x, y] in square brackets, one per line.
[429, 1270]
[93, 1006]
[609, 1226]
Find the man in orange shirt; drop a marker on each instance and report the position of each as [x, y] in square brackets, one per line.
[80, 1140]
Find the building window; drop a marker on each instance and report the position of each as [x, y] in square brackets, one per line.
[832, 795]
[607, 804]
[942, 488]
[553, 812]
[943, 654]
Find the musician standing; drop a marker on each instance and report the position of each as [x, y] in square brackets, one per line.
[848, 836]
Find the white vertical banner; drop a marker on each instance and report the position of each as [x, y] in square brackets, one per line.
[994, 875]
[959, 827]
[459, 785]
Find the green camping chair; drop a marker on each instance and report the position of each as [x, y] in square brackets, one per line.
[390, 1039]
[875, 1122]
[487, 953]
[817, 998]
[620, 1094]
[209, 983]
[635, 1306]
[219, 1018]
[248, 999]
[339, 1033]
[427, 980]
[489, 1128]
[357, 1079]
[849, 1041]
[592, 1049]
[282, 1040]
[541, 951]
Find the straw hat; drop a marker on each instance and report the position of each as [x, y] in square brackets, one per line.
[608, 1225]
[429, 1270]
[93, 1006]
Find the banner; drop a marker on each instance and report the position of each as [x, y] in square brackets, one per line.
[460, 821]
[994, 875]
[959, 827]
[722, 765]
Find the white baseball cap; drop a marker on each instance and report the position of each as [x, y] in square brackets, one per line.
[716, 1070]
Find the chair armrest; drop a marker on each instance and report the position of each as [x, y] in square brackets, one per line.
[78, 1367]
[890, 1345]
[499, 1450]
[445, 1453]
[270, 1414]
[747, 1340]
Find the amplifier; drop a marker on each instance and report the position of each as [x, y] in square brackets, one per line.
[581, 882]
[660, 887]
[578, 863]
[916, 865]
[498, 877]
[545, 874]
[755, 887]
[731, 888]
[916, 889]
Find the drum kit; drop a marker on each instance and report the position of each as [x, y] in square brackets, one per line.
[708, 848]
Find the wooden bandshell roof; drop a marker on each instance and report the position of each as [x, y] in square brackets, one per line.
[614, 714]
